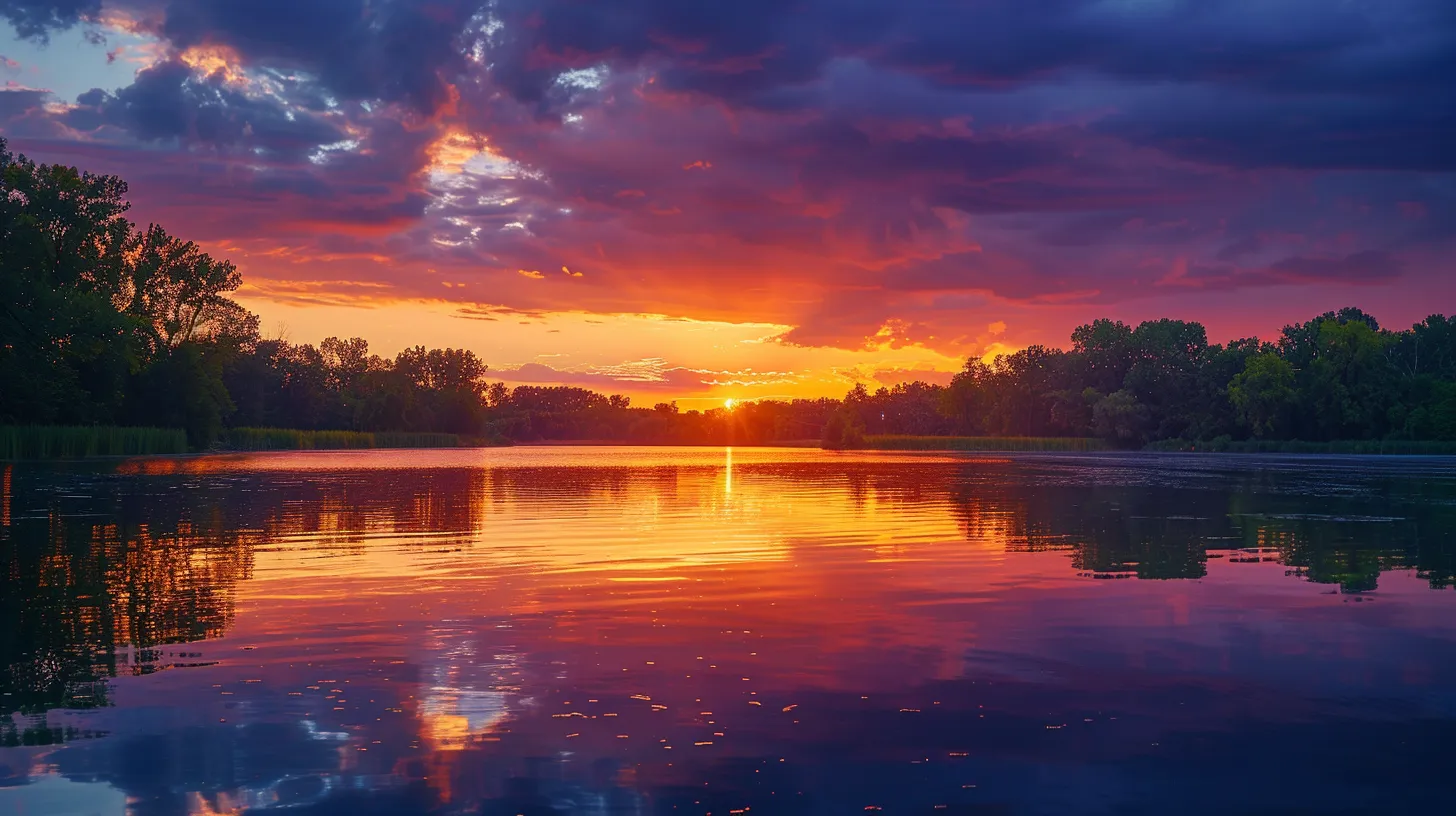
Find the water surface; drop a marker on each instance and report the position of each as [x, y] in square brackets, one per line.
[749, 631]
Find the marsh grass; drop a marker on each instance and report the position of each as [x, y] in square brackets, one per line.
[266, 439]
[402, 439]
[1376, 447]
[74, 442]
[982, 443]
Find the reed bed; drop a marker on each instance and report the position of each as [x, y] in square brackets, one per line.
[267, 439]
[401, 439]
[78, 441]
[1370, 447]
[982, 443]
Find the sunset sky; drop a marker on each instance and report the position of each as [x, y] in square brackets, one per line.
[691, 200]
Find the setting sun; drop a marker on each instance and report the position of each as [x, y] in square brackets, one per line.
[730, 404]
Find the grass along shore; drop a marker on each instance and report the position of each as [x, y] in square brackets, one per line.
[1363, 447]
[981, 443]
[39, 442]
[1052, 444]
[284, 439]
[78, 441]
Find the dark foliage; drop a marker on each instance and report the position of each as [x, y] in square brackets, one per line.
[1337, 377]
[103, 323]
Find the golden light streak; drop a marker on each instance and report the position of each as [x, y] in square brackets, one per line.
[214, 60]
[450, 153]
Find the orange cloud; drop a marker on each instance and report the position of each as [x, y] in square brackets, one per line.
[216, 60]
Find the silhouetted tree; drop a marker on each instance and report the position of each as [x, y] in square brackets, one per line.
[103, 323]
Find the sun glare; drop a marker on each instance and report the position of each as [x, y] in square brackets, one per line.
[730, 403]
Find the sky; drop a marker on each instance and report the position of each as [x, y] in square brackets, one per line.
[765, 198]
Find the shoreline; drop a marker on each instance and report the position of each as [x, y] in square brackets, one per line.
[1113, 452]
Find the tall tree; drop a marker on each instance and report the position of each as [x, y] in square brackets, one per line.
[180, 292]
[65, 350]
[1263, 394]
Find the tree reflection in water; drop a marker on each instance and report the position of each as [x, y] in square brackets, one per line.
[830, 633]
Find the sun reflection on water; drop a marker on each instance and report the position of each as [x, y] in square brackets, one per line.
[613, 625]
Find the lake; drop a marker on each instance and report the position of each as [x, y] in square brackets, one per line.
[710, 631]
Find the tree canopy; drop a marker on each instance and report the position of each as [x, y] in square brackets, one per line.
[105, 322]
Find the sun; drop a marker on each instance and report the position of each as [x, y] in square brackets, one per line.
[730, 403]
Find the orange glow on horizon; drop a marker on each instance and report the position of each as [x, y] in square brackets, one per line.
[711, 361]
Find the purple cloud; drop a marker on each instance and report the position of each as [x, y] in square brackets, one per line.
[866, 173]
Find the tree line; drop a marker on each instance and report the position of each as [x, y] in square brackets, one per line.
[1338, 376]
[103, 322]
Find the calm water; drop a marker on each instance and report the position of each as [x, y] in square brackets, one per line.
[696, 631]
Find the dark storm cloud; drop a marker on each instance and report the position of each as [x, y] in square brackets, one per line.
[735, 49]
[36, 18]
[1369, 266]
[393, 50]
[855, 168]
[1411, 129]
[1294, 44]
[17, 102]
[168, 101]
[1300, 83]
[1372, 71]
[728, 49]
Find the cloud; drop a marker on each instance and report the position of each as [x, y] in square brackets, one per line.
[1365, 267]
[654, 376]
[890, 377]
[168, 101]
[36, 18]
[874, 175]
[1369, 266]
[17, 101]
[1270, 129]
